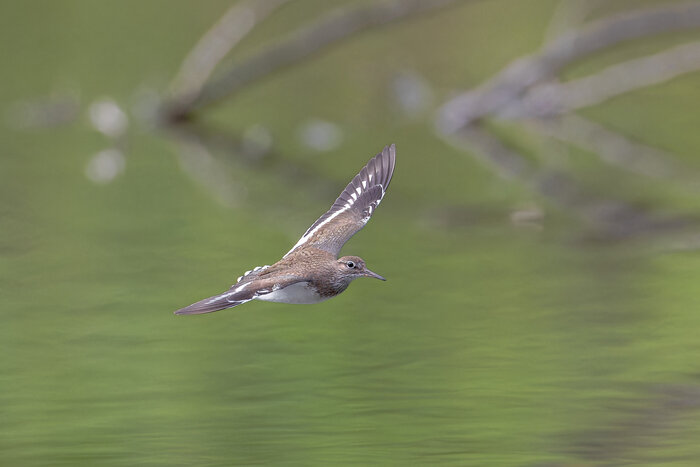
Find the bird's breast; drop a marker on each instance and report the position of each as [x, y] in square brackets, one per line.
[300, 292]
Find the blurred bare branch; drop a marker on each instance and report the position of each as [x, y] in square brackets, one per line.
[612, 147]
[511, 165]
[555, 98]
[331, 28]
[218, 41]
[491, 152]
[227, 148]
[523, 73]
[612, 218]
[529, 92]
[52, 111]
[570, 13]
[196, 160]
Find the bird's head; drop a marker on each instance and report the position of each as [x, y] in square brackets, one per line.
[354, 267]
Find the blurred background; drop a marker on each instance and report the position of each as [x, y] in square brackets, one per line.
[540, 237]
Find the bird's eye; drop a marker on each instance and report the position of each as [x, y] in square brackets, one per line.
[350, 264]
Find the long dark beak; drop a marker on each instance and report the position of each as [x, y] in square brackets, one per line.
[369, 273]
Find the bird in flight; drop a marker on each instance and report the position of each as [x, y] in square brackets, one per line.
[311, 271]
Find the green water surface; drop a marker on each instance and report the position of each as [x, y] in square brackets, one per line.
[490, 344]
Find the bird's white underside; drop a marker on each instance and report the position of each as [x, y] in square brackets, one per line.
[299, 293]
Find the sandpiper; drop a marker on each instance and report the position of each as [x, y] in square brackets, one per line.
[311, 271]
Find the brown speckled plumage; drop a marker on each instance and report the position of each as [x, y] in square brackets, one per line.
[310, 271]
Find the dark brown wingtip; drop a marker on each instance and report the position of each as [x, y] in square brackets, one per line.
[388, 163]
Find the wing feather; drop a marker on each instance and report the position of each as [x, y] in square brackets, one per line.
[251, 286]
[354, 207]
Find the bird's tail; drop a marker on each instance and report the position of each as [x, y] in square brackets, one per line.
[224, 300]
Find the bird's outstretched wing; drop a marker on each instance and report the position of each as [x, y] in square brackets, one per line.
[354, 206]
[249, 286]
[224, 300]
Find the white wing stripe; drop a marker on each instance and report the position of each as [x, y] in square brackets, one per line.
[347, 206]
[306, 237]
[227, 294]
[255, 269]
[377, 171]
